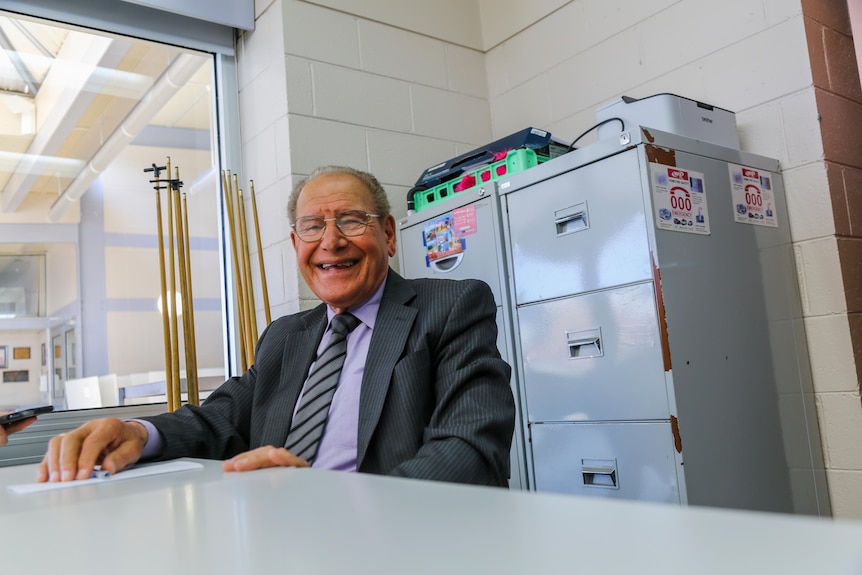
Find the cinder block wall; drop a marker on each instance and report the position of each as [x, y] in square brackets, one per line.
[319, 85]
[751, 57]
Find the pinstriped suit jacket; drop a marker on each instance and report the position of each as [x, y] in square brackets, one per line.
[435, 401]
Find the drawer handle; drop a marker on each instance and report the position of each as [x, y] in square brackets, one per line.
[600, 473]
[571, 220]
[448, 263]
[585, 344]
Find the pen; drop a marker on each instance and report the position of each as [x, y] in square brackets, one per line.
[99, 473]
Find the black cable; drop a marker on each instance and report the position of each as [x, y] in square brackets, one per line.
[602, 123]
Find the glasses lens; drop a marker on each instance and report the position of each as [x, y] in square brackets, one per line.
[352, 222]
[310, 226]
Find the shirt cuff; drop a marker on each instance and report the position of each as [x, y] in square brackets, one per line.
[155, 444]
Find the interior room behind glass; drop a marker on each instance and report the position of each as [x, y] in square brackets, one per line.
[82, 114]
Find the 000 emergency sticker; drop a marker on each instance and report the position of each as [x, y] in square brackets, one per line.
[679, 200]
[753, 198]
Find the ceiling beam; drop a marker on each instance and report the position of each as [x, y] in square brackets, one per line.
[32, 38]
[169, 83]
[19, 65]
[89, 53]
[28, 95]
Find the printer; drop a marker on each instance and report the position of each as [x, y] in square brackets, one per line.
[670, 113]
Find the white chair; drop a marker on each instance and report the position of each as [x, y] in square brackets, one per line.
[83, 393]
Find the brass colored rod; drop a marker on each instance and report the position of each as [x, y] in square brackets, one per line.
[252, 313]
[191, 351]
[173, 393]
[249, 340]
[226, 184]
[183, 273]
[166, 324]
[260, 255]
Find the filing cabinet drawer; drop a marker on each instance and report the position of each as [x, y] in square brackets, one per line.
[616, 460]
[580, 231]
[594, 357]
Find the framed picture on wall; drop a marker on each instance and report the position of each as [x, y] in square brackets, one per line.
[17, 376]
[20, 353]
[4, 362]
[44, 356]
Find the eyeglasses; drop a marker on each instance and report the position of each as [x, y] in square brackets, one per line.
[350, 223]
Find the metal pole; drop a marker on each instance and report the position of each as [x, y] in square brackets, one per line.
[246, 257]
[173, 392]
[165, 314]
[240, 304]
[191, 350]
[260, 255]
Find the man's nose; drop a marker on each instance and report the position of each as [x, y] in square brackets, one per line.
[332, 236]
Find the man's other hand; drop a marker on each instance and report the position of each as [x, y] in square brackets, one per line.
[267, 456]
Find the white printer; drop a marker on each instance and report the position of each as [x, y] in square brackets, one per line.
[670, 113]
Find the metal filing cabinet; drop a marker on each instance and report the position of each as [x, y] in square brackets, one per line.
[659, 341]
[461, 239]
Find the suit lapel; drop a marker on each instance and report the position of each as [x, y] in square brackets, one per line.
[391, 329]
[300, 346]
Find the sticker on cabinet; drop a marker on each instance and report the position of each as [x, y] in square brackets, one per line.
[753, 198]
[441, 237]
[679, 199]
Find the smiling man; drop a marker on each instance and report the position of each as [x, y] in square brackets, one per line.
[388, 375]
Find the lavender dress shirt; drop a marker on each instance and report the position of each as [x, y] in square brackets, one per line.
[337, 448]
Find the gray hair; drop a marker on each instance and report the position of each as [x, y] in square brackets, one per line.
[378, 194]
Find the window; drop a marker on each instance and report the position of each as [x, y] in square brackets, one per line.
[22, 285]
[82, 114]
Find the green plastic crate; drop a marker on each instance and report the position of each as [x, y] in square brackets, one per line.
[514, 162]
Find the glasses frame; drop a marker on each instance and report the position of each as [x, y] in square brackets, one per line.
[365, 225]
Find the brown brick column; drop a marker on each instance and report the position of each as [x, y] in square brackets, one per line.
[839, 102]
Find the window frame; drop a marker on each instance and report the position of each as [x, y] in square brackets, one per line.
[112, 16]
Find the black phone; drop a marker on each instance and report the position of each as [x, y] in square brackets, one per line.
[24, 413]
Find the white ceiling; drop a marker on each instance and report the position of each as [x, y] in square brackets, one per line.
[71, 99]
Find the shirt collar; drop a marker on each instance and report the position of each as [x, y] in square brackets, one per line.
[366, 312]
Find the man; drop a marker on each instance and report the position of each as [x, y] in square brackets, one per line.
[423, 393]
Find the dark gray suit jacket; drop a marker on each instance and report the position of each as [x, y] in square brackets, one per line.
[435, 401]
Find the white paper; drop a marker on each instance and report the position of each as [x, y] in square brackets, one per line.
[130, 473]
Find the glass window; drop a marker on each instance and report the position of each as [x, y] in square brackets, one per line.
[22, 285]
[83, 114]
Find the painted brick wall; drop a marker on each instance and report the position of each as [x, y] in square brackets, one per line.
[837, 326]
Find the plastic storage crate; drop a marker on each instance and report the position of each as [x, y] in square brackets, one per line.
[515, 161]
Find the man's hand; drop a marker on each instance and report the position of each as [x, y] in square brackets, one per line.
[267, 456]
[7, 430]
[112, 443]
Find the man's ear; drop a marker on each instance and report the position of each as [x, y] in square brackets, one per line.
[389, 230]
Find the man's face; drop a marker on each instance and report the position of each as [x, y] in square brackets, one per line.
[343, 271]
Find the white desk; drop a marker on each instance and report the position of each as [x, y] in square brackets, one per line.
[307, 521]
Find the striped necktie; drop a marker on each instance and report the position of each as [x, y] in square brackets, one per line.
[310, 419]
